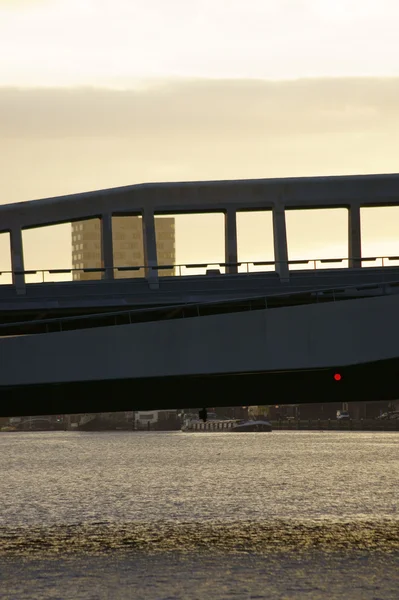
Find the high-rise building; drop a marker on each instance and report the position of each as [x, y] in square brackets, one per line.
[127, 239]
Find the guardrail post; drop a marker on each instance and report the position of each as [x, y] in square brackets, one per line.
[150, 248]
[354, 237]
[17, 260]
[280, 243]
[230, 240]
[107, 252]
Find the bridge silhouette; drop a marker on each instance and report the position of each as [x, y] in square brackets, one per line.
[230, 336]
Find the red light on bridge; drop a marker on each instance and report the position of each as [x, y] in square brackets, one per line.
[337, 376]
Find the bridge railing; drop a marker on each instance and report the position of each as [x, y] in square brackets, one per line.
[317, 266]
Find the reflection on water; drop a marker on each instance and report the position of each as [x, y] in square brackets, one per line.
[282, 515]
[239, 537]
[182, 577]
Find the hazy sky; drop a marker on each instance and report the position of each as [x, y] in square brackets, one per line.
[99, 93]
[112, 42]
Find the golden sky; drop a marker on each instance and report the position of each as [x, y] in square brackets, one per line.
[98, 94]
[115, 42]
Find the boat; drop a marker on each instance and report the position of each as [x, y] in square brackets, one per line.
[252, 426]
[227, 425]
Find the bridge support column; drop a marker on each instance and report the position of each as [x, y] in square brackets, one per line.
[354, 237]
[150, 247]
[230, 240]
[280, 243]
[17, 260]
[107, 251]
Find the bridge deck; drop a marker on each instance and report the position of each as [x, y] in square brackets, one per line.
[66, 297]
[258, 357]
[144, 314]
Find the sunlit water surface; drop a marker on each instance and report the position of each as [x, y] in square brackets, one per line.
[207, 515]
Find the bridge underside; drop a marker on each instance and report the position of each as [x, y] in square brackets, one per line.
[376, 381]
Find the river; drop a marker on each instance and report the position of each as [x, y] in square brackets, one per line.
[199, 515]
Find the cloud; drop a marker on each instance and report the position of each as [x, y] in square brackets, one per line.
[18, 4]
[59, 141]
[204, 108]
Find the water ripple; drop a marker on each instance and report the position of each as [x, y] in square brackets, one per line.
[234, 537]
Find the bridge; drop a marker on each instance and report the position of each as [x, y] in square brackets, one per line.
[230, 279]
[226, 337]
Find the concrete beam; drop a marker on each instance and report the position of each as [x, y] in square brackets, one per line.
[150, 247]
[107, 252]
[354, 236]
[230, 240]
[280, 243]
[17, 260]
[200, 196]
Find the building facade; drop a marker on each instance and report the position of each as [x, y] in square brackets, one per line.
[127, 239]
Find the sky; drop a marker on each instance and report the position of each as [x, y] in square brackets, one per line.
[99, 93]
[115, 42]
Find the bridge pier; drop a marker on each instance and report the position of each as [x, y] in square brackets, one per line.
[150, 248]
[280, 243]
[107, 252]
[17, 260]
[354, 237]
[230, 240]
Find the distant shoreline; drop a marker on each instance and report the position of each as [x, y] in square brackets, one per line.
[282, 425]
[336, 425]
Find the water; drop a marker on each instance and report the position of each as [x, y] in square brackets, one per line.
[219, 515]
